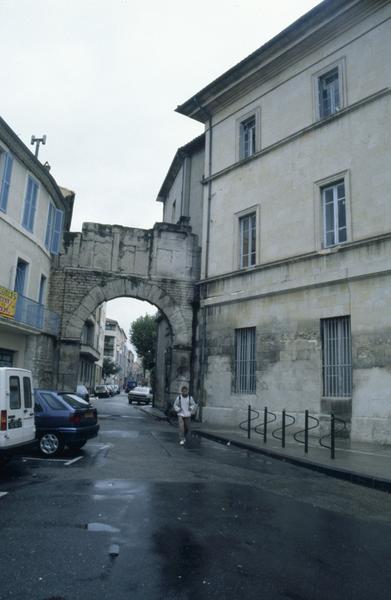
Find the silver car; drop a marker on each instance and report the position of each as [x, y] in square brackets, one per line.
[140, 394]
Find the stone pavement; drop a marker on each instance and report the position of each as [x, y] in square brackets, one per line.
[364, 464]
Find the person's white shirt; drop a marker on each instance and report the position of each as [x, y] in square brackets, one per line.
[185, 406]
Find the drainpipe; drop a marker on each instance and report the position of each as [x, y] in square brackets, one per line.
[209, 116]
[203, 317]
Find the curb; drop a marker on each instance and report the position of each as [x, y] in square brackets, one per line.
[370, 481]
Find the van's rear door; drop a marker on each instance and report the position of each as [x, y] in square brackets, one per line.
[19, 406]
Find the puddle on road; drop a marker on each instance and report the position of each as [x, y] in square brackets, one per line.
[99, 527]
[118, 433]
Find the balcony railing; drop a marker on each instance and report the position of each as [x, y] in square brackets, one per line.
[29, 312]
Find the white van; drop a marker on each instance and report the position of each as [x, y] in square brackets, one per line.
[17, 427]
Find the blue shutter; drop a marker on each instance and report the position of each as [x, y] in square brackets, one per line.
[57, 231]
[49, 227]
[5, 185]
[30, 204]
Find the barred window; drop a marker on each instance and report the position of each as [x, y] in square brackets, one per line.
[337, 357]
[244, 376]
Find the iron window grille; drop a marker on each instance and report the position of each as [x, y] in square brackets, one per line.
[336, 357]
[245, 364]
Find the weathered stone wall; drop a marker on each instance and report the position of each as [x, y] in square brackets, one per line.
[106, 262]
[286, 303]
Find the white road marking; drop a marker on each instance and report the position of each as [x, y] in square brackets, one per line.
[70, 462]
[44, 459]
[3, 494]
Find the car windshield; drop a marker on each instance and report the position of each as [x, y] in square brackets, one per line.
[74, 401]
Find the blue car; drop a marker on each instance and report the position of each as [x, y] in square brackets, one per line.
[63, 419]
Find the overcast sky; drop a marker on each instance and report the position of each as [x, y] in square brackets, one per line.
[101, 78]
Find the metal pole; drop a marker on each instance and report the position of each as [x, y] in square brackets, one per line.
[332, 436]
[249, 422]
[265, 425]
[306, 432]
[283, 429]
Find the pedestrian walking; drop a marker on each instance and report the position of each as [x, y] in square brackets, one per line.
[184, 407]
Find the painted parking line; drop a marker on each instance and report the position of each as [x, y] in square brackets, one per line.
[44, 459]
[3, 494]
[70, 462]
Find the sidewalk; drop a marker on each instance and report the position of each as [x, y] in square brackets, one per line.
[364, 464]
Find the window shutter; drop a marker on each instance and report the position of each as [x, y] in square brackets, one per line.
[8, 161]
[57, 230]
[49, 227]
[30, 204]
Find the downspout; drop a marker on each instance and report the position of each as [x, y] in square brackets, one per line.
[209, 201]
[209, 117]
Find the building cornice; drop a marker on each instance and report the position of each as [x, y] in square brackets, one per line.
[32, 164]
[320, 25]
[298, 134]
[287, 285]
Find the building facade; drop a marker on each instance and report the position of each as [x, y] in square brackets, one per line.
[92, 347]
[295, 282]
[34, 213]
[116, 349]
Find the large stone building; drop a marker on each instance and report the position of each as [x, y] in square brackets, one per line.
[295, 284]
[34, 213]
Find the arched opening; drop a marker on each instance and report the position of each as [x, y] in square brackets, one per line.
[174, 319]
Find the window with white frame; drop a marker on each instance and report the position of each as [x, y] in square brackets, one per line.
[30, 204]
[6, 162]
[53, 229]
[245, 364]
[329, 92]
[334, 214]
[336, 357]
[248, 236]
[247, 137]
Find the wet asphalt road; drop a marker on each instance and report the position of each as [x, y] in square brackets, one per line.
[136, 516]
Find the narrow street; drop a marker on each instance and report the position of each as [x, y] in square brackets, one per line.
[136, 516]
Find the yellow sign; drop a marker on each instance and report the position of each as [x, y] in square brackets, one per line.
[7, 302]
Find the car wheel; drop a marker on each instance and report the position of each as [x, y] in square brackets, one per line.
[50, 444]
[76, 445]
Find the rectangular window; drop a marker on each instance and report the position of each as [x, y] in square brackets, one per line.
[30, 204]
[244, 376]
[28, 397]
[334, 214]
[247, 137]
[42, 290]
[247, 232]
[336, 357]
[53, 229]
[15, 399]
[329, 93]
[6, 161]
[21, 276]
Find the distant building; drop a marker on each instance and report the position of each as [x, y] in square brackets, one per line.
[92, 347]
[116, 349]
[34, 213]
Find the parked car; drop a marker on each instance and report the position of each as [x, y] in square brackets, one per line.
[110, 387]
[17, 427]
[63, 420]
[140, 394]
[82, 391]
[102, 391]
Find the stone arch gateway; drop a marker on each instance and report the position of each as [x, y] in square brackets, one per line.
[104, 262]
